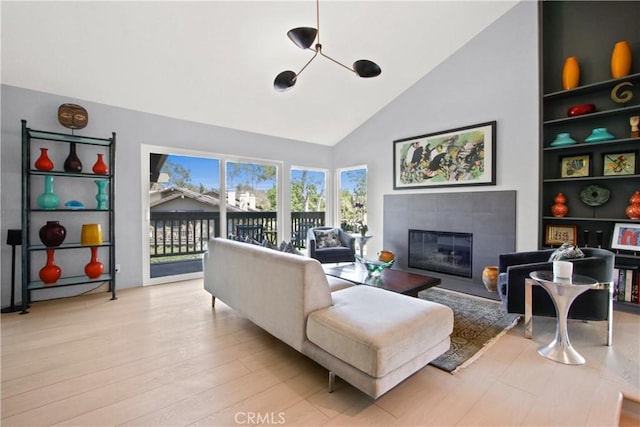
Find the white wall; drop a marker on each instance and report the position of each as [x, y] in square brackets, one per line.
[493, 77]
[134, 129]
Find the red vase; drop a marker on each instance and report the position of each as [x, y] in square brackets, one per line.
[95, 268]
[100, 167]
[633, 210]
[559, 209]
[43, 163]
[52, 234]
[50, 273]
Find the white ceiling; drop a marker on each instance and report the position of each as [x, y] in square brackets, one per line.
[214, 61]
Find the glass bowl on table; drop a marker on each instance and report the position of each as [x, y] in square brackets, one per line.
[374, 267]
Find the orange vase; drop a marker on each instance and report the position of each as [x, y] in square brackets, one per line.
[633, 210]
[559, 208]
[100, 167]
[490, 278]
[50, 273]
[385, 256]
[570, 73]
[43, 163]
[621, 60]
[94, 268]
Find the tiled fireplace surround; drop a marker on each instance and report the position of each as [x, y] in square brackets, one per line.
[489, 215]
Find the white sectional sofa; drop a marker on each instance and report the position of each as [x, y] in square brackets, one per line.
[371, 338]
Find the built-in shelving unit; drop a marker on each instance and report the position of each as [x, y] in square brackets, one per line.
[588, 31]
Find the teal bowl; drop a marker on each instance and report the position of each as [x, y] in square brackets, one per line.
[598, 135]
[374, 267]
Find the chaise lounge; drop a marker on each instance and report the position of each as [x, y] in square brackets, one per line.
[371, 338]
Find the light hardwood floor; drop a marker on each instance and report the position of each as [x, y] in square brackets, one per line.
[161, 355]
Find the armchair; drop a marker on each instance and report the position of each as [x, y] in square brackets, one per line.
[595, 304]
[329, 244]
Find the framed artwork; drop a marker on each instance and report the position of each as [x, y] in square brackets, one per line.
[619, 164]
[575, 166]
[559, 234]
[626, 236]
[456, 157]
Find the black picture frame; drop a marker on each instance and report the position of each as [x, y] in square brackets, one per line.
[464, 156]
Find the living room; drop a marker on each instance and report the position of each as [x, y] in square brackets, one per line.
[493, 76]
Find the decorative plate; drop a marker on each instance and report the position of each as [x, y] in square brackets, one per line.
[595, 195]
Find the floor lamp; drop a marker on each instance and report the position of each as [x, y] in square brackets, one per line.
[14, 238]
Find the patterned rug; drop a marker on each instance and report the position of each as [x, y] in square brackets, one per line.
[477, 324]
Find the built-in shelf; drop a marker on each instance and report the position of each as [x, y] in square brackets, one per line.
[614, 144]
[589, 88]
[596, 115]
[592, 178]
[574, 218]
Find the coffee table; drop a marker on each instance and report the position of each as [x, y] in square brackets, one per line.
[398, 281]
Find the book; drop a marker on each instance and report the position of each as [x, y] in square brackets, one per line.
[634, 288]
[628, 284]
[622, 273]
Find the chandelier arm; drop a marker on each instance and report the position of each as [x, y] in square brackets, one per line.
[318, 18]
[305, 65]
[337, 62]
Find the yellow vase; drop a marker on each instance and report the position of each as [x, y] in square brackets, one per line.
[570, 73]
[621, 60]
[91, 234]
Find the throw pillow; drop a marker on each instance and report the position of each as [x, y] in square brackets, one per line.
[327, 238]
[267, 244]
[566, 251]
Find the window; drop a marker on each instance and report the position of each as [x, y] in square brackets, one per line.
[353, 198]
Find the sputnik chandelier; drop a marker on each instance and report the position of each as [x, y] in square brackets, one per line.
[303, 37]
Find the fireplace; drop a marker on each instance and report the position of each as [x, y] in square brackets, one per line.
[441, 251]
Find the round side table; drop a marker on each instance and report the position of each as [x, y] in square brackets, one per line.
[563, 292]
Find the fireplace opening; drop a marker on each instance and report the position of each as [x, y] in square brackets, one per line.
[441, 251]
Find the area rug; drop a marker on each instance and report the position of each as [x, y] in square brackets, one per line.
[477, 324]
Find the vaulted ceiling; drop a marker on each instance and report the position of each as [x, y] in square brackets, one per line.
[214, 61]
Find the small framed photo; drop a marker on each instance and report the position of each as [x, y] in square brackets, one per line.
[576, 166]
[619, 164]
[626, 236]
[559, 234]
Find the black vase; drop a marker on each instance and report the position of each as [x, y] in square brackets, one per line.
[72, 163]
[52, 234]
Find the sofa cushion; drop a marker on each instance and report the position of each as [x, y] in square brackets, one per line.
[377, 331]
[336, 283]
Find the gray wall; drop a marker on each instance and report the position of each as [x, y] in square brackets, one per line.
[133, 130]
[493, 77]
[489, 216]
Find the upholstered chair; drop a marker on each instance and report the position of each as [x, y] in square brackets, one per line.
[331, 245]
[595, 304]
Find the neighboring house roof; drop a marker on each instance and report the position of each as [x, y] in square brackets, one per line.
[166, 195]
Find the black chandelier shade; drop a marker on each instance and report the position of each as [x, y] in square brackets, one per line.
[304, 38]
[366, 68]
[285, 80]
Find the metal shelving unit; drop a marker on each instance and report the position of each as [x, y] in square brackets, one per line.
[30, 245]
